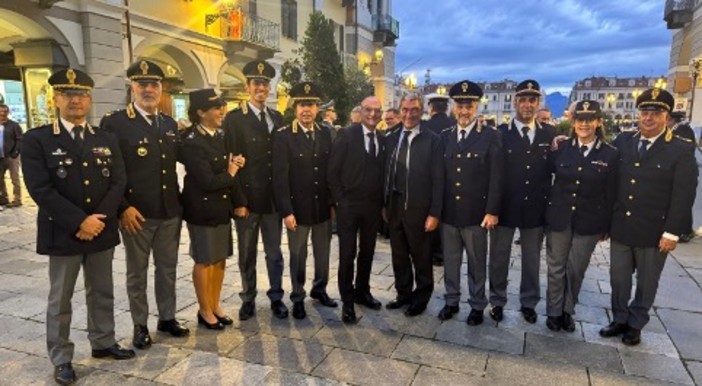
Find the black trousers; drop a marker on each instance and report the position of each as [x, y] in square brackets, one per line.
[411, 252]
[357, 228]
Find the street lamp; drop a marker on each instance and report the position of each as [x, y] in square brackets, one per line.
[411, 81]
[611, 98]
[636, 93]
[441, 90]
[484, 100]
[661, 83]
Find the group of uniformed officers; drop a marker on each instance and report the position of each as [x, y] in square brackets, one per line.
[473, 183]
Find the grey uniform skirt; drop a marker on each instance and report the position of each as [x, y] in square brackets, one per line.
[210, 244]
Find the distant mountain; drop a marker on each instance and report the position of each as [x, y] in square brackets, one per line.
[557, 103]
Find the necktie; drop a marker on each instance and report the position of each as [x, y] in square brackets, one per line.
[401, 163]
[78, 136]
[310, 135]
[262, 115]
[583, 150]
[152, 118]
[463, 135]
[371, 144]
[643, 146]
[525, 133]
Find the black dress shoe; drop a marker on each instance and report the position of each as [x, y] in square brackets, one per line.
[632, 336]
[225, 320]
[448, 312]
[114, 352]
[64, 374]
[496, 313]
[529, 314]
[613, 329]
[247, 310]
[142, 339]
[348, 313]
[299, 310]
[568, 322]
[279, 309]
[368, 301]
[415, 309]
[210, 326]
[174, 327]
[396, 303]
[323, 299]
[475, 318]
[554, 323]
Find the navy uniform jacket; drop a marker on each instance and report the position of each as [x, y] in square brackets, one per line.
[69, 185]
[473, 175]
[300, 174]
[684, 130]
[656, 193]
[439, 122]
[527, 179]
[150, 159]
[350, 177]
[245, 134]
[208, 185]
[425, 171]
[584, 189]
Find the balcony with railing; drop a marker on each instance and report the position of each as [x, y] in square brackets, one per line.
[387, 29]
[678, 13]
[241, 30]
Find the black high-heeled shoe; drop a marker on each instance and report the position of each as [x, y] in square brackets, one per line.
[210, 326]
[225, 320]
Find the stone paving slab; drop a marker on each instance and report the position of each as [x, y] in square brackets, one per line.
[482, 337]
[695, 369]
[655, 367]
[685, 331]
[577, 353]
[148, 364]
[511, 369]
[365, 369]
[651, 342]
[441, 355]
[99, 377]
[431, 376]
[289, 378]
[265, 322]
[202, 339]
[603, 378]
[202, 368]
[289, 354]
[514, 320]
[31, 370]
[424, 325]
[360, 337]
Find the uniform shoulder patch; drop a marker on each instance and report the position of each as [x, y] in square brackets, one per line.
[687, 140]
[283, 128]
[448, 128]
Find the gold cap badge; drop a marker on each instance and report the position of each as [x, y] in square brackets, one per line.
[71, 76]
[308, 88]
[586, 106]
[464, 86]
[530, 85]
[260, 68]
[144, 67]
[655, 93]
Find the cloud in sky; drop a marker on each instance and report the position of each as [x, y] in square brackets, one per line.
[553, 41]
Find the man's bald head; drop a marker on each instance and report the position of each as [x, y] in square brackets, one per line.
[371, 111]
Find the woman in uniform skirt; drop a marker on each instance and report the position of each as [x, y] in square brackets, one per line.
[579, 210]
[210, 176]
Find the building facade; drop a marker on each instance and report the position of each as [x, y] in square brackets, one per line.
[617, 96]
[198, 43]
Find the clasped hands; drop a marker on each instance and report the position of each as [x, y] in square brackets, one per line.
[91, 227]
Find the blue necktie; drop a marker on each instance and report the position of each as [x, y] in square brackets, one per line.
[643, 146]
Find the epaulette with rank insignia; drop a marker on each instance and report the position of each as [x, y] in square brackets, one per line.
[283, 128]
[448, 128]
[131, 113]
[688, 140]
[244, 108]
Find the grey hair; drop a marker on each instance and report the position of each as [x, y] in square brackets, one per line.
[413, 96]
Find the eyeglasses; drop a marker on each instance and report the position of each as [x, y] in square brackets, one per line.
[369, 110]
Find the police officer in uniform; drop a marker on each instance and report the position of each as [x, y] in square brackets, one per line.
[579, 210]
[472, 193]
[300, 158]
[75, 174]
[355, 178]
[526, 144]
[657, 186]
[150, 212]
[249, 132]
[414, 186]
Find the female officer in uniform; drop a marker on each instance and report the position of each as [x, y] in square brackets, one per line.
[210, 176]
[579, 210]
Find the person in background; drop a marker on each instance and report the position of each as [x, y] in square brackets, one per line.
[355, 116]
[10, 144]
[207, 206]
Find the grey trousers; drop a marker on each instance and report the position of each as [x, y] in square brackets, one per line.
[648, 264]
[567, 257]
[97, 276]
[271, 228]
[162, 237]
[500, 251]
[13, 165]
[297, 244]
[472, 239]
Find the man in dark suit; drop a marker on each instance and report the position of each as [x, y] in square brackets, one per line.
[75, 174]
[249, 132]
[472, 193]
[677, 124]
[414, 185]
[300, 159]
[150, 211]
[355, 179]
[656, 191]
[527, 180]
[10, 140]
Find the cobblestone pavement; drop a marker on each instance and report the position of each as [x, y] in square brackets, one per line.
[384, 348]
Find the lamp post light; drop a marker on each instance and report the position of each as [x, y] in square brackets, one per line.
[661, 83]
[411, 81]
[484, 100]
[441, 90]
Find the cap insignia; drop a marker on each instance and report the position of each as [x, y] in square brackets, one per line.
[530, 85]
[308, 88]
[71, 76]
[464, 86]
[586, 106]
[655, 93]
[144, 67]
[260, 68]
